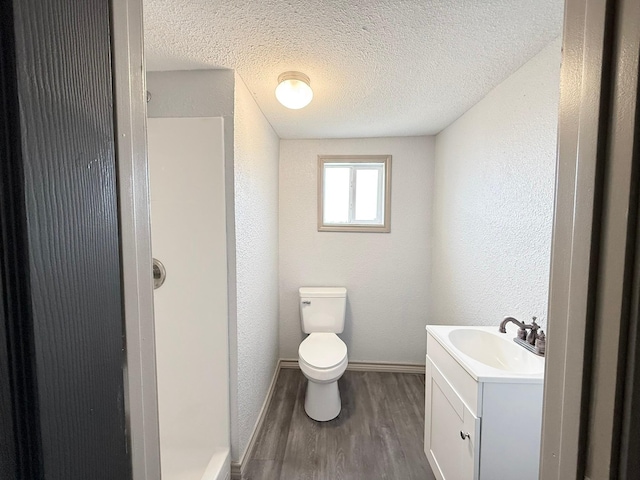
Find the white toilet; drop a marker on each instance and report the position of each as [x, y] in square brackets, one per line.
[322, 356]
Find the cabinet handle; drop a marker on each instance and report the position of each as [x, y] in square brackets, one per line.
[464, 435]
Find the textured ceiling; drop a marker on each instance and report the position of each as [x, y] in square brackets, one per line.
[377, 68]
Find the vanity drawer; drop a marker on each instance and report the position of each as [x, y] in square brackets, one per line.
[465, 386]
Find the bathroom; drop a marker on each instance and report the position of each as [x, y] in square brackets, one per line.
[234, 199]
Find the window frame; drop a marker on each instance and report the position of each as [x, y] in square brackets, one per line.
[385, 160]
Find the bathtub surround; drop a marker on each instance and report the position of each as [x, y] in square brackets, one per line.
[251, 205]
[194, 95]
[186, 163]
[493, 204]
[386, 274]
[203, 93]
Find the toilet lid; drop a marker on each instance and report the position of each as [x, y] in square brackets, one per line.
[322, 350]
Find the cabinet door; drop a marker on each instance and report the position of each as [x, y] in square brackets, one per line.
[452, 432]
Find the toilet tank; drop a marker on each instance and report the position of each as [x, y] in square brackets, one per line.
[322, 309]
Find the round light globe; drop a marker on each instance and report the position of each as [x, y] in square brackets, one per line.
[293, 90]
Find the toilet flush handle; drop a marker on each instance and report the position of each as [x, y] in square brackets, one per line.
[306, 302]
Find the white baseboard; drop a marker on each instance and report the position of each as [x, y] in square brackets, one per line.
[386, 367]
[236, 471]
[237, 468]
[369, 366]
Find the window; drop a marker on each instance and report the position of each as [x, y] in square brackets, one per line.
[354, 193]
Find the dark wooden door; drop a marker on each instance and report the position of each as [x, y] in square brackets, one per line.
[61, 333]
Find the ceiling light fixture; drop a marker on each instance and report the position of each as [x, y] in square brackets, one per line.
[293, 90]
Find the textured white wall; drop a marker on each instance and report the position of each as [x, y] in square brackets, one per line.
[493, 204]
[254, 349]
[186, 163]
[386, 274]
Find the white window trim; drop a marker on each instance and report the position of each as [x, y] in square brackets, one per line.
[363, 226]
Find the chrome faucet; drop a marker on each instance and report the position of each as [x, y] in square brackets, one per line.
[533, 341]
[523, 326]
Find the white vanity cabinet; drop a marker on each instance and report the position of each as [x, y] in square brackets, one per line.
[479, 426]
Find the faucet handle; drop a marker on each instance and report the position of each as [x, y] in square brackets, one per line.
[541, 343]
[533, 334]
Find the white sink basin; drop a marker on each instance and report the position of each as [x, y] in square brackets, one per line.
[489, 355]
[495, 351]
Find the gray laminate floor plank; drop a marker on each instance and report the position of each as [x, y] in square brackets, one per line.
[273, 436]
[402, 396]
[350, 432]
[263, 469]
[385, 442]
[378, 434]
[302, 457]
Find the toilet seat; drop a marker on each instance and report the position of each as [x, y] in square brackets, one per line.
[322, 350]
[323, 357]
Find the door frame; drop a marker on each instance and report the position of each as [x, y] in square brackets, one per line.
[135, 226]
[618, 280]
[574, 250]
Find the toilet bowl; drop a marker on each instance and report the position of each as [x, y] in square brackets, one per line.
[322, 357]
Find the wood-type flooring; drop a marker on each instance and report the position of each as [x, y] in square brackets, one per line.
[378, 434]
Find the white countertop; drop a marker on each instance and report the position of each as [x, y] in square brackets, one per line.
[482, 372]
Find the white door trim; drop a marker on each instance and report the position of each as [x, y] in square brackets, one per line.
[575, 249]
[135, 230]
